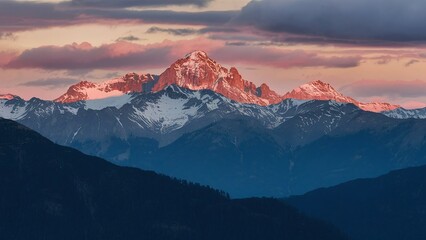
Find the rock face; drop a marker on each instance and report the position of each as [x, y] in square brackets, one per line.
[291, 147]
[403, 113]
[266, 93]
[85, 90]
[318, 90]
[6, 96]
[196, 71]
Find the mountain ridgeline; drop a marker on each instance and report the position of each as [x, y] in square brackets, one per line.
[202, 122]
[244, 149]
[391, 207]
[197, 71]
[52, 192]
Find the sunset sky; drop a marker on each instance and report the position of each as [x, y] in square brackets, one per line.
[370, 50]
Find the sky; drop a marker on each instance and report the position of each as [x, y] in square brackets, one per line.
[372, 50]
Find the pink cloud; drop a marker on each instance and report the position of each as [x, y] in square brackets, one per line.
[6, 57]
[279, 58]
[127, 55]
[119, 55]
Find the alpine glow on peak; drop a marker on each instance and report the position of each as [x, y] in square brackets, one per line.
[197, 71]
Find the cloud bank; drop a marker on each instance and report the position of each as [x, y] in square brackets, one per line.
[380, 20]
[137, 3]
[51, 83]
[21, 16]
[127, 55]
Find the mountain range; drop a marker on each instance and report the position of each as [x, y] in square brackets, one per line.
[184, 133]
[202, 122]
[52, 192]
[196, 71]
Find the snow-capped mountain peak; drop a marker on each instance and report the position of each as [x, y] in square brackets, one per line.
[86, 90]
[318, 90]
[197, 71]
[196, 55]
[7, 96]
[403, 113]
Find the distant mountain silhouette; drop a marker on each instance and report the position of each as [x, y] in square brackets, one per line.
[245, 149]
[53, 192]
[391, 207]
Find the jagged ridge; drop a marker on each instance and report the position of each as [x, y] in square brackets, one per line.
[85, 90]
[197, 71]
[318, 90]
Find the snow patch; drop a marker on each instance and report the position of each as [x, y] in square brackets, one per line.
[116, 101]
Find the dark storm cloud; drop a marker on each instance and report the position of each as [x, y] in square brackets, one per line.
[163, 16]
[313, 40]
[15, 16]
[382, 20]
[19, 16]
[137, 3]
[51, 83]
[341, 22]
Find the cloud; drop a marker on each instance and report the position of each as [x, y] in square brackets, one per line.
[383, 88]
[7, 36]
[85, 56]
[126, 55]
[17, 16]
[206, 18]
[119, 55]
[292, 39]
[411, 62]
[237, 43]
[173, 31]
[137, 3]
[129, 38]
[279, 58]
[191, 31]
[21, 16]
[6, 57]
[383, 60]
[51, 83]
[356, 20]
